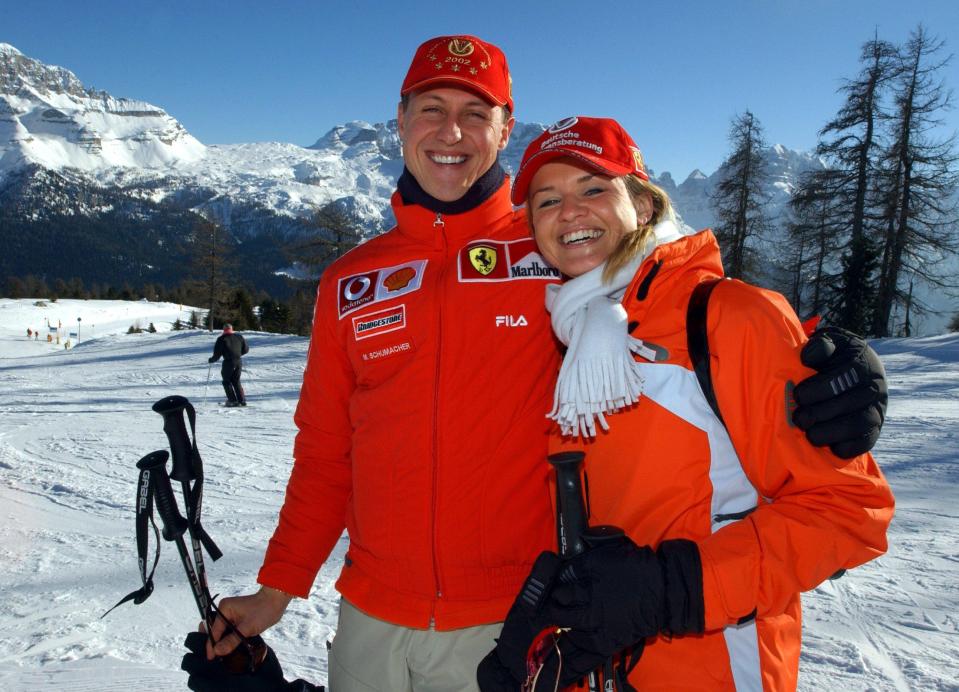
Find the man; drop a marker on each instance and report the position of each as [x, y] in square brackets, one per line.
[231, 346]
[422, 426]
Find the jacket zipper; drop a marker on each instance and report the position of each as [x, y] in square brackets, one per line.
[439, 225]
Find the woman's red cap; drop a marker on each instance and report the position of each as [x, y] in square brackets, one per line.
[600, 143]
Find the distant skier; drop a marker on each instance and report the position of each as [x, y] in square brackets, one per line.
[231, 346]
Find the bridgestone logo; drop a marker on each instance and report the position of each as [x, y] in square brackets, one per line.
[362, 327]
[379, 322]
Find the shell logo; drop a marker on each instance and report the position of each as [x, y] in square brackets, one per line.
[399, 279]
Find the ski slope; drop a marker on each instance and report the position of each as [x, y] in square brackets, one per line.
[73, 423]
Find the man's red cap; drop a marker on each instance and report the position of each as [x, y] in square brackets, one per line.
[461, 61]
[600, 143]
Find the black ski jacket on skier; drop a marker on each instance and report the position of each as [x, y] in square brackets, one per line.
[230, 346]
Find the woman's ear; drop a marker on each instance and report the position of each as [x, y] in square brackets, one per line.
[644, 207]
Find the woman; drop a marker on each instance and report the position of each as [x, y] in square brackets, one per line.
[725, 524]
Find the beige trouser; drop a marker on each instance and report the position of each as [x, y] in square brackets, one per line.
[370, 654]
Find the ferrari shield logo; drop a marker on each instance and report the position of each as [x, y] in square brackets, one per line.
[483, 259]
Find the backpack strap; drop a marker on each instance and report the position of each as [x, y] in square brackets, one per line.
[697, 341]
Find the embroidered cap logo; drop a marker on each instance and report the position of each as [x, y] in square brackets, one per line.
[563, 124]
[460, 47]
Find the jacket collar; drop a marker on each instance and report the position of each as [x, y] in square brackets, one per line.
[671, 272]
[424, 226]
[412, 192]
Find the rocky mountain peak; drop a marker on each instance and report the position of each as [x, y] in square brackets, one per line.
[49, 118]
[19, 73]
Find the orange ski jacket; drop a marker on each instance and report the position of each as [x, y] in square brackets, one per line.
[772, 515]
[422, 427]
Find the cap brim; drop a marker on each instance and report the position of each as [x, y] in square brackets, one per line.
[520, 190]
[457, 82]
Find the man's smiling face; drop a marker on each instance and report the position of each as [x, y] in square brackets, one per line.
[450, 138]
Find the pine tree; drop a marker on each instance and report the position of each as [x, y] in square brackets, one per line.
[738, 198]
[333, 230]
[212, 265]
[239, 311]
[918, 181]
[274, 316]
[811, 244]
[852, 152]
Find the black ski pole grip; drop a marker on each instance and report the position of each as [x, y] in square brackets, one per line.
[596, 536]
[571, 520]
[171, 408]
[174, 524]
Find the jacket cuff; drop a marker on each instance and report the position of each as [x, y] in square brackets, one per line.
[683, 578]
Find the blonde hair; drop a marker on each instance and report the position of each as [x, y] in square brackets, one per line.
[634, 242]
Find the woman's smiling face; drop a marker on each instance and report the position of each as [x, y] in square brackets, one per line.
[579, 215]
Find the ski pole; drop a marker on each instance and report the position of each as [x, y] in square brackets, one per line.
[243, 659]
[206, 387]
[174, 526]
[574, 533]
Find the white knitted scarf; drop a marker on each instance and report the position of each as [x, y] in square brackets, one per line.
[598, 375]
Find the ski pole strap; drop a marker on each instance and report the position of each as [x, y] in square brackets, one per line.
[144, 516]
[194, 500]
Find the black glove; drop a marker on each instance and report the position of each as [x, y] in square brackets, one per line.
[211, 359]
[212, 676]
[617, 594]
[504, 668]
[844, 404]
[565, 665]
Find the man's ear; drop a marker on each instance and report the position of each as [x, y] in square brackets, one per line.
[504, 135]
[400, 113]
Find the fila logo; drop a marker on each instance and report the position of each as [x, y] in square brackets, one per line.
[511, 321]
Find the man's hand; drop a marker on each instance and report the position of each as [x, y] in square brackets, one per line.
[251, 615]
[844, 404]
[212, 676]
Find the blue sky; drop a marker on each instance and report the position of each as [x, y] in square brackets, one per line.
[674, 73]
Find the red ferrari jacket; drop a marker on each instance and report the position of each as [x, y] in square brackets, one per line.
[421, 420]
[772, 515]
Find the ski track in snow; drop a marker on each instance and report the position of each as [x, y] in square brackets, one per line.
[73, 424]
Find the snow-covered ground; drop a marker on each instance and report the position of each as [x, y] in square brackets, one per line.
[74, 422]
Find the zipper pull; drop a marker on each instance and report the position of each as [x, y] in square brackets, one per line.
[439, 220]
[641, 349]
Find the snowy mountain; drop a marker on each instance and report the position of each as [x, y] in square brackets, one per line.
[48, 118]
[50, 121]
[114, 185]
[74, 422]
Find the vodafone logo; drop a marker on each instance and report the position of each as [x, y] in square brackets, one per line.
[563, 124]
[357, 287]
